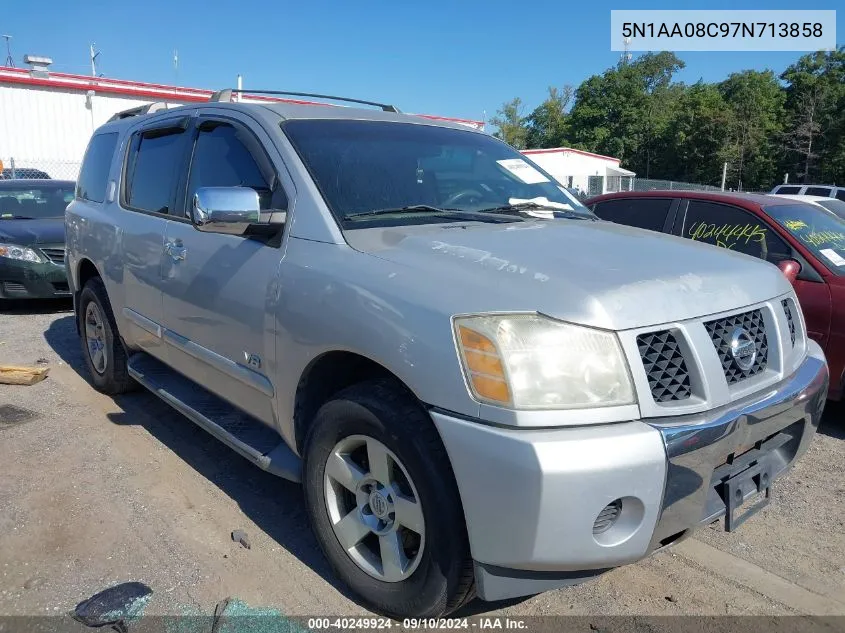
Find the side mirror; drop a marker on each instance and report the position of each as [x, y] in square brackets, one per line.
[227, 210]
[790, 268]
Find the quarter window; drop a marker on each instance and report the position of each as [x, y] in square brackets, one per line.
[817, 191]
[733, 228]
[645, 213]
[95, 168]
[155, 161]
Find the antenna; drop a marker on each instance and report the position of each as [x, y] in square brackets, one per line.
[626, 54]
[9, 61]
[94, 56]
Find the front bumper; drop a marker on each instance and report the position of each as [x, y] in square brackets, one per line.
[30, 280]
[531, 497]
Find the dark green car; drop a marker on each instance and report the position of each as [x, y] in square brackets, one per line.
[32, 238]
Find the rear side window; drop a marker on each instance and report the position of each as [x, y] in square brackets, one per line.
[95, 168]
[840, 194]
[788, 190]
[645, 213]
[153, 166]
[817, 191]
[733, 228]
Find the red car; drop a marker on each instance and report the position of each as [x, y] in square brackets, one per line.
[806, 242]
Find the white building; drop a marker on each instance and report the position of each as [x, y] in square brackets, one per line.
[593, 174]
[47, 118]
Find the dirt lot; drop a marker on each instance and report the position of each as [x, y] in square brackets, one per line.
[95, 491]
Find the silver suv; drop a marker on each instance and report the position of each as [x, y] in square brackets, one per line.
[483, 389]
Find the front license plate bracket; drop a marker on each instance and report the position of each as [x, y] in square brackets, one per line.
[741, 487]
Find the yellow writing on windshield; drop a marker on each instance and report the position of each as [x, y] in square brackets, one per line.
[725, 234]
[795, 225]
[817, 238]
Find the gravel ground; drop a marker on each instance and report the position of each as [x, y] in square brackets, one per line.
[96, 490]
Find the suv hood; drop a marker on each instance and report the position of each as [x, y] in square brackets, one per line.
[595, 273]
[29, 232]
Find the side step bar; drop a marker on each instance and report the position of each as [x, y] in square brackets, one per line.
[256, 441]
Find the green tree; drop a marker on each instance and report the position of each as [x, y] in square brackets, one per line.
[756, 101]
[815, 105]
[547, 123]
[511, 125]
[624, 112]
[697, 135]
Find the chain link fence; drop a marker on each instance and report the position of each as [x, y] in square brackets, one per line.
[17, 167]
[650, 184]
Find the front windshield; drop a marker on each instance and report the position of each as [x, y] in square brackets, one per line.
[822, 232]
[835, 205]
[415, 170]
[34, 202]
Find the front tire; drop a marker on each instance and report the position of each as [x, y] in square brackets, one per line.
[384, 505]
[102, 348]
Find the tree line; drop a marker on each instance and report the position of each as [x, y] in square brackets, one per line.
[763, 125]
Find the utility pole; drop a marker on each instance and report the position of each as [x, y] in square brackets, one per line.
[724, 174]
[9, 61]
[94, 56]
[176, 65]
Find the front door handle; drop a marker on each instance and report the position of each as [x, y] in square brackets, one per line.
[176, 250]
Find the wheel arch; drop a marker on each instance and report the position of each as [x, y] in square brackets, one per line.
[329, 373]
[85, 270]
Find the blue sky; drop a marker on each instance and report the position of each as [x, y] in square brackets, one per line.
[458, 58]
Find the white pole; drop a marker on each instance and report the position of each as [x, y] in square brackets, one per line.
[93, 64]
[240, 87]
[724, 175]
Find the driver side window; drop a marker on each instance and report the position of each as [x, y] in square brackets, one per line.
[221, 158]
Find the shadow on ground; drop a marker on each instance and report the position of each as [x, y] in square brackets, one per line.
[833, 420]
[35, 306]
[275, 505]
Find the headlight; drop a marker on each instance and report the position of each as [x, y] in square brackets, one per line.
[22, 253]
[527, 361]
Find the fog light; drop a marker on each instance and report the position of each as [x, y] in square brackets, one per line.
[607, 517]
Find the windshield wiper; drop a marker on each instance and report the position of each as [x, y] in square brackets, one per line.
[521, 207]
[8, 216]
[418, 208]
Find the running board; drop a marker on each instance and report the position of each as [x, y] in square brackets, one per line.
[256, 441]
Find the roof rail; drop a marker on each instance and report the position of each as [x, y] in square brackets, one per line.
[144, 109]
[226, 95]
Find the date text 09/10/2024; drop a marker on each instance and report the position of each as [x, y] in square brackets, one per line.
[480, 623]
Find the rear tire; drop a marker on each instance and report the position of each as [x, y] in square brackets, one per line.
[435, 571]
[102, 348]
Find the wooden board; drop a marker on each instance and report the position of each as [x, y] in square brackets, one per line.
[11, 375]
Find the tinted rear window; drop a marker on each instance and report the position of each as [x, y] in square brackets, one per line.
[95, 168]
[645, 213]
[817, 191]
[154, 164]
[788, 190]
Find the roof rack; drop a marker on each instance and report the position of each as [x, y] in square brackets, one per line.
[225, 95]
[144, 109]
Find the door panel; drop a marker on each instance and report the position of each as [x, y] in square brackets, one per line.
[143, 247]
[215, 313]
[814, 297]
[218, 326]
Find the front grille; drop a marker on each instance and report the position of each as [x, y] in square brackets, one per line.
[665, 366]
[55, 255]
[789, 319]
[721, 331]
[14, 287]
[607, 517]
